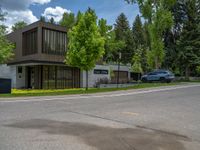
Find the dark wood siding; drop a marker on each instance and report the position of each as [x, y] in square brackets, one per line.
[123, 77]
[54, 42]
[29, 42]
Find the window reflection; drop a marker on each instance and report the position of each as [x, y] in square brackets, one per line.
[60, 77]
[54, 42]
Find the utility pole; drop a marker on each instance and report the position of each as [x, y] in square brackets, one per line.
[120, 56]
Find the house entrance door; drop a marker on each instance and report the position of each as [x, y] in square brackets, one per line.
[31, 79]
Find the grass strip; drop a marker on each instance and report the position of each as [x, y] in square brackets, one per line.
[54, 92]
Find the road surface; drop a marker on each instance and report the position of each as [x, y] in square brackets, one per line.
[164, 118]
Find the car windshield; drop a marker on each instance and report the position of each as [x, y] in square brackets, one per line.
[152, 73]
[163, 72]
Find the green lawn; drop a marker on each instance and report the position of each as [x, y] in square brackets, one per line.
[18, 93]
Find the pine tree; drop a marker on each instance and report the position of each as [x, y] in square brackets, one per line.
[42, 18]
[189, 43]
[138, 32]
[121, 27]
[123, 33]
[140, 35]
[52, 21]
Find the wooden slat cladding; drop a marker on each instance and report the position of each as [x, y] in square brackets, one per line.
[30, 42]
[60, 77]
[123, 77]
[54, 42]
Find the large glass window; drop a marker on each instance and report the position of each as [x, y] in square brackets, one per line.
[29, 42]
[54, 42]
[60, 77]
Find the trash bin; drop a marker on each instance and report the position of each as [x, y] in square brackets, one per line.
[5, 86]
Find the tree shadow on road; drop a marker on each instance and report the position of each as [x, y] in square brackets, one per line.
[107, 138]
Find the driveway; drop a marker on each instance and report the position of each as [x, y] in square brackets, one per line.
[164, 118]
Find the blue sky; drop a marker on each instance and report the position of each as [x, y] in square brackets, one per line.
[31, 10]
[108, 9]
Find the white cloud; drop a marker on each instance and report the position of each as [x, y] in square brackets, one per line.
[18, 10]
[56, 13]
[15, 16]
[20, 4]
[41, 1]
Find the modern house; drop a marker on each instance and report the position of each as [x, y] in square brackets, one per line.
[38, 62]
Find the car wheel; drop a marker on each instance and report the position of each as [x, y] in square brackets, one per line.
[162, 80]
[144, 80]
[169, 81]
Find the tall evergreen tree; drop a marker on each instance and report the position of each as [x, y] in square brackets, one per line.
[121, 27]
[52, 21]
[123, 33]
[171, 36]
[141, 39]
[42, 18]
[2, 15]
[138, 32]
[189, 43]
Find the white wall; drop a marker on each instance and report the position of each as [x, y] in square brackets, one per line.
[21, 82]
[8, 72]
[93, 78]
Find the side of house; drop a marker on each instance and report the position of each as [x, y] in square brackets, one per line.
[38, 62]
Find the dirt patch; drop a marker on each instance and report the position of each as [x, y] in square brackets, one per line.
[106, 138]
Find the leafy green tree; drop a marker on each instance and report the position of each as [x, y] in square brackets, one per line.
[159, 17]
[6, 47]
[198, 70]
[112, 46]
[104, 29]
[86, 46]
[68, 20]
[136, 63]
[19, 25]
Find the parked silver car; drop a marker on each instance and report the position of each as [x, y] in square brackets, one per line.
[158, 75]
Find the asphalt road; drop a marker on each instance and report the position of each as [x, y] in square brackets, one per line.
[166, 118]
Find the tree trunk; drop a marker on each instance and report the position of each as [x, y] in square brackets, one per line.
[86, 80]
[138, 78]
[156, 63]
[187, 72]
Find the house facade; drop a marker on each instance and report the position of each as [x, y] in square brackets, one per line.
[38, 62]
